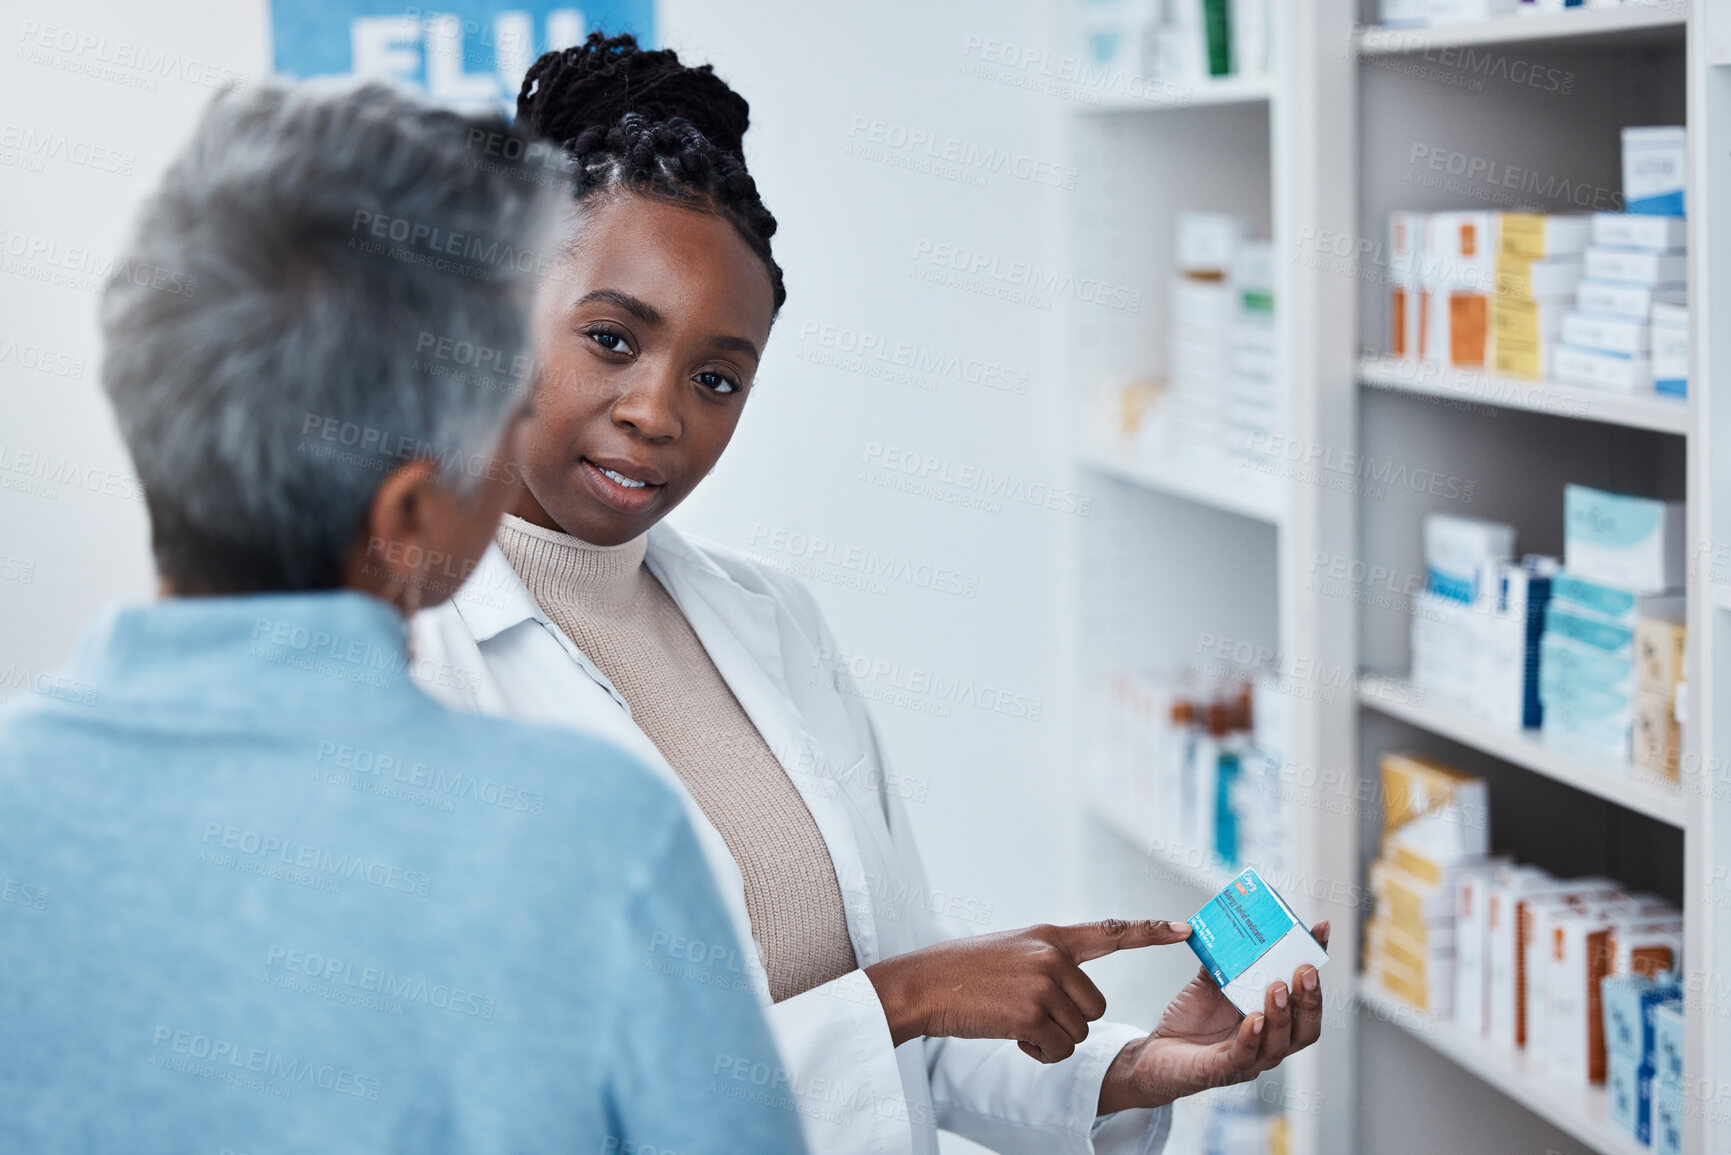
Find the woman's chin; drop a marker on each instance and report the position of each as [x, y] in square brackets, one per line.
[599, 524]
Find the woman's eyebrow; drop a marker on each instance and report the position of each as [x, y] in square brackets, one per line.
[737, 345]
[636, 306]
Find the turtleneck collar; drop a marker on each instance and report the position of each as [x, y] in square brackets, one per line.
[568, 570]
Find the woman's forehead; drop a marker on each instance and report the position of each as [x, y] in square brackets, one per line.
[673, 256]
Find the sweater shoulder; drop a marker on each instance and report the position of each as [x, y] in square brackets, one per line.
[544, 750]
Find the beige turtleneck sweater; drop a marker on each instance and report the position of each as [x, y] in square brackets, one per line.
[613, 608]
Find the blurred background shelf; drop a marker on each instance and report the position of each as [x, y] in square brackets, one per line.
[1636, 411]
[1170, 97]
[1210, 479]
[1581, 1110]
[1169, 861]
[1630, 22]
[1605, 778]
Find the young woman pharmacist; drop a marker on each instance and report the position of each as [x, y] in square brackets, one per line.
[590, 611]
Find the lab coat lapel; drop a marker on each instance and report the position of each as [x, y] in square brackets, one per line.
[494, 600]
[552, 680]
[744, 634]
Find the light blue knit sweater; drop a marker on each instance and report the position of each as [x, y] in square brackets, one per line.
[259, 894]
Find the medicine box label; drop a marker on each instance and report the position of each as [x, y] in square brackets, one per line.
[1248, 938]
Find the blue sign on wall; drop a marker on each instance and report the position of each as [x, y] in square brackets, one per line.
[466, 53]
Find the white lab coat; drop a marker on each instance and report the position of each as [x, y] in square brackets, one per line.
[491, 649]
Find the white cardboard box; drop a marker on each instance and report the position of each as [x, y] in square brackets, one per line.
[1406, 232]
[1472, 928]
[1612, 372]
[1605, 333]
[1640, 231]
[1457, 278]
[1501, 900]
[1636, 266]
[1573, 1026]
[1460, 11]
[1620, 299]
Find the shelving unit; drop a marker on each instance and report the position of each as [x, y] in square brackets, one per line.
[1522, 441]
[1326, 151]
[1266, 150]
[1553, 398]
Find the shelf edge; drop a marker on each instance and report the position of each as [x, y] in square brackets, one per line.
[1555, 399]
[1512, 747]
[1375, 40]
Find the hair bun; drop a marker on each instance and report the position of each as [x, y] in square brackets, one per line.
[597, 83]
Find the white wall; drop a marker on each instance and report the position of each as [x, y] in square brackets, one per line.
[99, 110]
[996, 820]
[991, 792]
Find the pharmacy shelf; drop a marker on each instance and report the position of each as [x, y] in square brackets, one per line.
[1614, 781]
[1634, 410]
[1630, 21]
[1171, 96]
[1210, 479]
[1191, 866]
[1582, 1111]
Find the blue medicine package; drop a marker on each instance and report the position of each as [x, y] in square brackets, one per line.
[1248, 939]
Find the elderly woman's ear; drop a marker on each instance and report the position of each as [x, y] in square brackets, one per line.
[422, 537]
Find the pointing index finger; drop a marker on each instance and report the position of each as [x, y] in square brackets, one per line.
[1091, 940]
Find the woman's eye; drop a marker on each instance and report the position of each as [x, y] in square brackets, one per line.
[717, 382]
[609, 340]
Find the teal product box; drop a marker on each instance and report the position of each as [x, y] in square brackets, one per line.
[1627, 1003]
[1248, 939]
[1563, 658]
[1668, 1043]
[1629, 1083]
[1589, 629]
[1571, 725]
[1667, 1118]
[1634, 543]
[1614, 602]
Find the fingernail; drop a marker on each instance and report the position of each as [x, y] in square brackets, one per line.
[1310, 980]
[1280, 995]
[1256, 1025]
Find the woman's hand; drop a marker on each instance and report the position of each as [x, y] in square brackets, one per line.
[1017, 984]
[1203, 1042]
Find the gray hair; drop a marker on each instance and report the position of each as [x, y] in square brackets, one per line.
[332, 280]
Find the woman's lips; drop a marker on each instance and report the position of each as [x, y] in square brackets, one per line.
[616, 491]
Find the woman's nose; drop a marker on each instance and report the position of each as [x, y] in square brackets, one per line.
[650, 407]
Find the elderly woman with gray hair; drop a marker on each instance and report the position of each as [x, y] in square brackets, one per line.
[262, 892]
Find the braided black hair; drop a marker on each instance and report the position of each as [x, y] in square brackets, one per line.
[637, 119]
